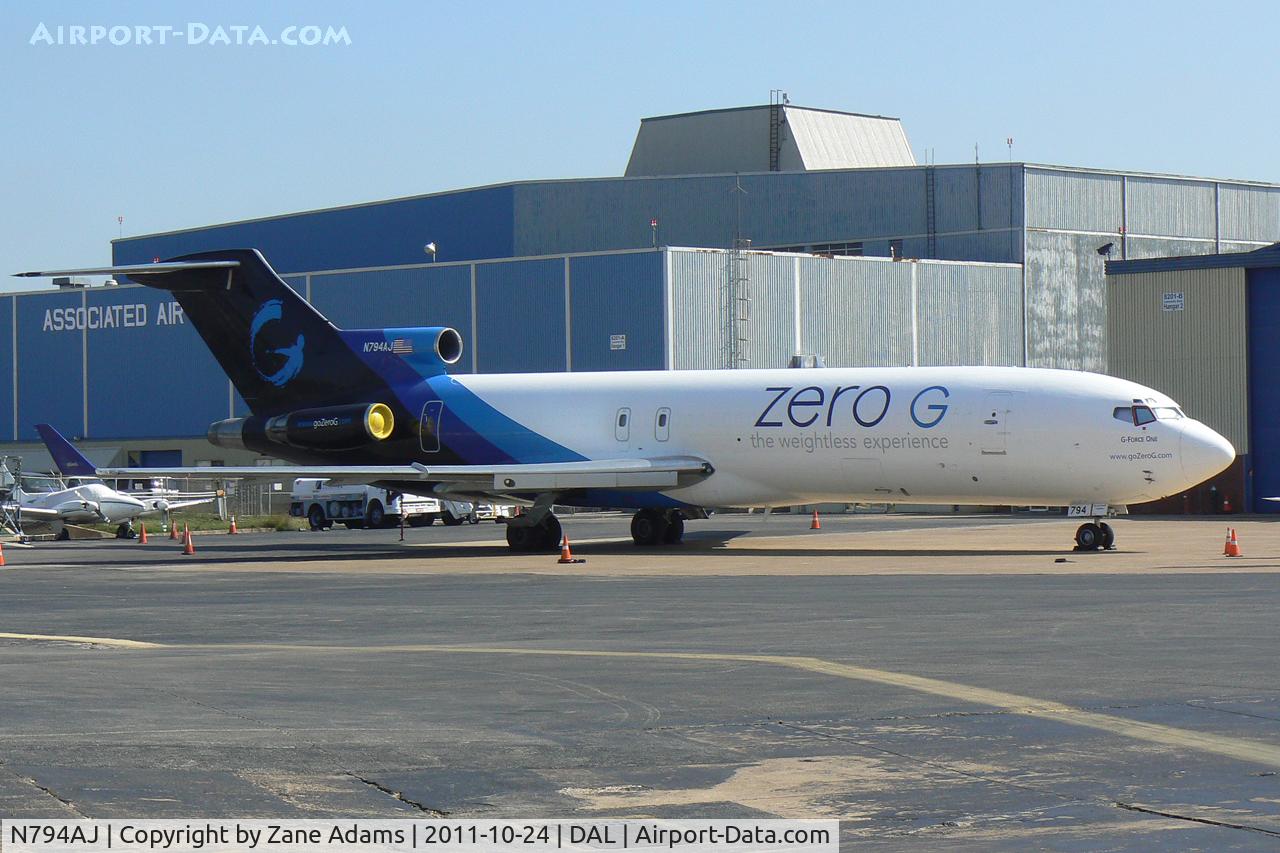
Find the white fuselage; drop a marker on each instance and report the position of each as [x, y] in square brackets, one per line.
[92, 503]
[927, 435]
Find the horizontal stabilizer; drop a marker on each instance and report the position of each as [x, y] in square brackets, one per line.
[135, 269]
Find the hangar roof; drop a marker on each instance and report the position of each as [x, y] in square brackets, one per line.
[738, 140]
[1267, 256]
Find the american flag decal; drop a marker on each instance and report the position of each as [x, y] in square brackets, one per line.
[401, 347]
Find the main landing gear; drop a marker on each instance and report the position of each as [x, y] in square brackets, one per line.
[1095, 535]
[657, 527]
[543, 535]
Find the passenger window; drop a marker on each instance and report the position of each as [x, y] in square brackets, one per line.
[1123, 413]
[1142, 415]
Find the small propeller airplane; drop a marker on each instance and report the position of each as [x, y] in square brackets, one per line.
[89, 500]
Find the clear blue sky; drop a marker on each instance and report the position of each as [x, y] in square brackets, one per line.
[438, 96]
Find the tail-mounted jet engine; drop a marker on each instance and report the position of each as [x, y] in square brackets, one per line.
[329, 428]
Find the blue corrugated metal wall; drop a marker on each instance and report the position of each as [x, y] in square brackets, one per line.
[520, 316]
[464, 225]
[1264, 395]
[6, 367]
[51, 376]
[425, 296]
[153, 378]
[618, 295]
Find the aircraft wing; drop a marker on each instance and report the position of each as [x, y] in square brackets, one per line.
[36, 512]
[184, 504]
[162, 504]
[640, 474]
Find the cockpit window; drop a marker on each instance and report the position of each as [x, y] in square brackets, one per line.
[1142, 415]
[1123, 413]
[33, 485]
[1168, 413]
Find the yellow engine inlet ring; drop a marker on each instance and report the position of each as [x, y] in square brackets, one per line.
[379, 421]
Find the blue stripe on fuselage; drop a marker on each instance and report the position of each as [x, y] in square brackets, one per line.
[471, 428]
[483, 425]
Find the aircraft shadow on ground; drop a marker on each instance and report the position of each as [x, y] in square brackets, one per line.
[717, 544]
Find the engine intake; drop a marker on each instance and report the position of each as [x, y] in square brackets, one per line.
[449, 345]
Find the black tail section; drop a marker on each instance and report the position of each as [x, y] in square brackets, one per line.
[280, 352]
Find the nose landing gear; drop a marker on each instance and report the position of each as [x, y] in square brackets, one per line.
[1095, 535]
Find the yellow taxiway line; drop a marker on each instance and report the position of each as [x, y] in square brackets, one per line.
[1251, 751]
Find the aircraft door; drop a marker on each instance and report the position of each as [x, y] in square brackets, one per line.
[995, 414]
[429, 426]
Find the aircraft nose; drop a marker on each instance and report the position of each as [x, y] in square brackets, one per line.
[1204, 452]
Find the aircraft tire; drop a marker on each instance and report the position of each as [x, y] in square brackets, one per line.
[1108, 536]
[1088, 537]
[523, 537]
[648, 528]
[675, 529]
[551, 533]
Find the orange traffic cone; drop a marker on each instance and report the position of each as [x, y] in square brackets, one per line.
[1, 554]
[142, 535]
[1233, 545]
[815, 524]
[566, 556]
[1226, 546]
[233, 526]
[173, 531]
[188, 546]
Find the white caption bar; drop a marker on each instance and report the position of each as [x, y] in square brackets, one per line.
[441, 836]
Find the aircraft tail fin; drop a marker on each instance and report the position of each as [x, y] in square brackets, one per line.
[70, 461]
[282, 354]
[279, 351]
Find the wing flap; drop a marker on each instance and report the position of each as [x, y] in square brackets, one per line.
[644, 474]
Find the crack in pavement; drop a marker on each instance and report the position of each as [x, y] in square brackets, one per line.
[52, 793]
[399, 795]
[1133, 807]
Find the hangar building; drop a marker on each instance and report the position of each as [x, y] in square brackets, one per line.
[736, 238]
[1206, 330]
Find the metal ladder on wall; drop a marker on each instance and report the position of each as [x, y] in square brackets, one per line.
[737, 307]
[930, 212]
[777, 98]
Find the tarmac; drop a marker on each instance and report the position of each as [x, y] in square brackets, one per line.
[928, 680]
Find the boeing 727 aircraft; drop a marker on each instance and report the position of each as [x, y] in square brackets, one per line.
[380, 406]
